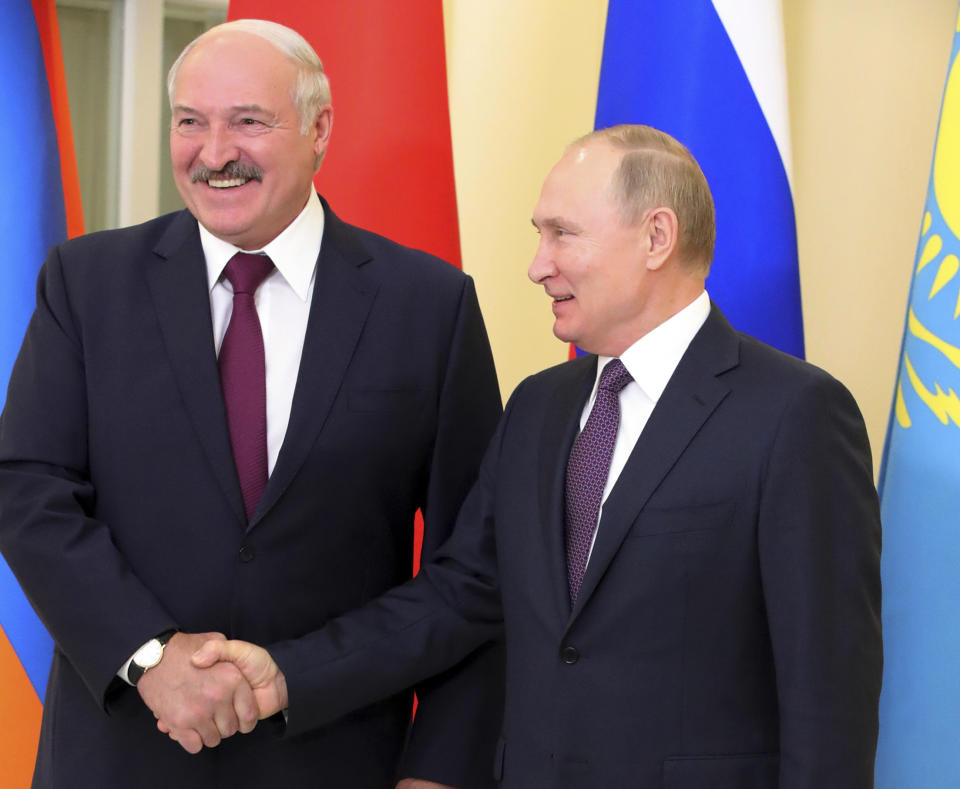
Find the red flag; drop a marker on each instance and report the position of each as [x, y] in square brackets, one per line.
[389, 167]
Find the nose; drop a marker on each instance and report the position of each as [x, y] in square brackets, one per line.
[542, 266]
[218, 147]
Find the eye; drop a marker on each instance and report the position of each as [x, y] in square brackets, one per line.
[253, 124]
[186, 125]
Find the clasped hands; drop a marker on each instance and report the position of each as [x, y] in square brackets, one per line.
[206, 688]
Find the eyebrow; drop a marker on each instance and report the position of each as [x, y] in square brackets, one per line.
[555, 221]
[255, 108]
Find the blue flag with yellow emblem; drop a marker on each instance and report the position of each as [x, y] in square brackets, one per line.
[920, 495]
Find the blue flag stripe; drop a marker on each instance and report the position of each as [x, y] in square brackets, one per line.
[32, 218]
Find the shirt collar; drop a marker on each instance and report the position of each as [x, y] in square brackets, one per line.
[652, 359]
[294, 252]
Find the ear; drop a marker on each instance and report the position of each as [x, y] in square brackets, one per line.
[660, 236]
[322, 127]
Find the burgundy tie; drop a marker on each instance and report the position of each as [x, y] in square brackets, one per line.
[587, 470]
[243, 377]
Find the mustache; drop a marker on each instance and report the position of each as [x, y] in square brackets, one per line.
[229, 171]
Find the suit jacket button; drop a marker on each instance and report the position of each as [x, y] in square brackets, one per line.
[569, 655]
[247, 553]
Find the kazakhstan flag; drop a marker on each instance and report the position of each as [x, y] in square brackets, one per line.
[920, 496]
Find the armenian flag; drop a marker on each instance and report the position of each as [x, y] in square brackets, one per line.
[39, 207]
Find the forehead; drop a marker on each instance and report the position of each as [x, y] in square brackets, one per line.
[233, 68]
[581, 181]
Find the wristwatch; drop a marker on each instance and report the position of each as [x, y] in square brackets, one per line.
[147, 656]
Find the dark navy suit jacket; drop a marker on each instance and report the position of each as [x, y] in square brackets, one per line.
[121, 513]
[727, 634]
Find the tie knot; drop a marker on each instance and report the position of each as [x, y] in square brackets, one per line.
[247, 272]
[614, 376]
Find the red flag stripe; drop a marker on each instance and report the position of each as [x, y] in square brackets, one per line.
[46, 14]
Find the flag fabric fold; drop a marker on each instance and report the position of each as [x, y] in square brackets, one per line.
[920, 494]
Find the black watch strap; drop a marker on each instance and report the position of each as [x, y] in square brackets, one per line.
[135, 671]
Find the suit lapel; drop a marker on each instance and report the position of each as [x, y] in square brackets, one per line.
[560, 426]
[178, 283]
[342, 299]
[691, 396]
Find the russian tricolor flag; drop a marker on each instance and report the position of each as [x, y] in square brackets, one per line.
[37, 159]
[712, 73]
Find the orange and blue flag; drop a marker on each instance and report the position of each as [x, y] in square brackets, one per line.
[39, 206]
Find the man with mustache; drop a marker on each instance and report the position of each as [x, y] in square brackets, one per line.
[679, 531]
[223, 421]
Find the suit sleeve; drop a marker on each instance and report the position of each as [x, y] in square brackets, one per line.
[414, 632]
[411, 633]
[459, 713]
[819, 541]
[84, 591]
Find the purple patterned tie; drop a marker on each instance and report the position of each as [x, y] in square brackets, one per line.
[243, 377]
[587, 470]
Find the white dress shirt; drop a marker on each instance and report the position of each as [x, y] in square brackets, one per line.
[283, 305]
[651, 361]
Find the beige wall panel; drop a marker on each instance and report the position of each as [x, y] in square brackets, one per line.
[865, 80]
[523, 83]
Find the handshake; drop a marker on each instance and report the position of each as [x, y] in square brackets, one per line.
[206, 688]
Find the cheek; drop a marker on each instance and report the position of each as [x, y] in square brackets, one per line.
[181, 154]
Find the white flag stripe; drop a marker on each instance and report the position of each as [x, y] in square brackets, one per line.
[755, 28]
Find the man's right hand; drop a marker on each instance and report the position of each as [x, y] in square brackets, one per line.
[255, 664]
[195, 706]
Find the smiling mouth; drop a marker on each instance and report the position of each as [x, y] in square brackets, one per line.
[228, 184]
[562, 298]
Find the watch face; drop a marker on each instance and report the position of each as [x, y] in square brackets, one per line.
[149, 654]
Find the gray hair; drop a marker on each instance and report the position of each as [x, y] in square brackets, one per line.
[657, 170]
[311, 90]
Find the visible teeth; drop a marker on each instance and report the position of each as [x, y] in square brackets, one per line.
[226, 184]
[563, 298]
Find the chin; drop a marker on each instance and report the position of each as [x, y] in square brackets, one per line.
[565, 335]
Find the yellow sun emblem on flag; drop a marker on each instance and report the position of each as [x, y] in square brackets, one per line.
[939, 247]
